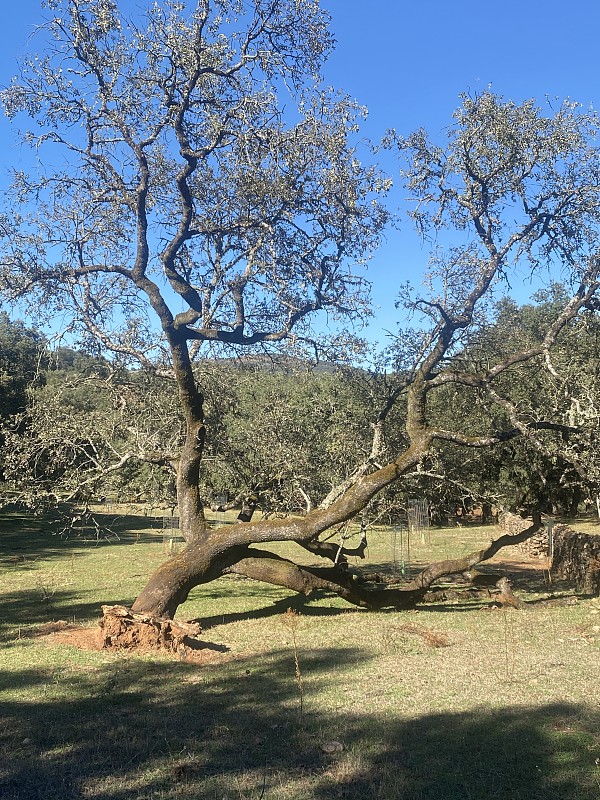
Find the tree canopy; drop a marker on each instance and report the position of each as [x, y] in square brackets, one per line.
[203, 194]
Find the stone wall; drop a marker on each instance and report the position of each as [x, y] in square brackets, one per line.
[575, 555]
[538, 545]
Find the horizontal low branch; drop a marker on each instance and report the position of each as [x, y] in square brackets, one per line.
[434, 572]
[267, 567]
[337, 553]
[349, 584]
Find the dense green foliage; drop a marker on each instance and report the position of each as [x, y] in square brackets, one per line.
[559, 469]
[286, 434]
[20, 352]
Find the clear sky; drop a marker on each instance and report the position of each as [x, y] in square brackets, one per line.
[408, 62]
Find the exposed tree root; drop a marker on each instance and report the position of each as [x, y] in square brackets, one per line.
[497, 590]
[507, 597]
[123, 629]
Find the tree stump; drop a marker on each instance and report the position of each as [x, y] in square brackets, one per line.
[576, 558]
[121, 628]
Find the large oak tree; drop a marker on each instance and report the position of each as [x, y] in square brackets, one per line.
[201, 193]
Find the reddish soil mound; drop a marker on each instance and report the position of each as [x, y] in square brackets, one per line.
[65, 633]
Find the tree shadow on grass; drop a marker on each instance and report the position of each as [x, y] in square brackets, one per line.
[25, 537]
[23, 610]
[520, 753]
[141, 730]
[297, 602]
[133, 729]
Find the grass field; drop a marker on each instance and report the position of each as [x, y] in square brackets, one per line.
[452, 701]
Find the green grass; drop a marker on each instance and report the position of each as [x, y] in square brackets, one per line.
[510, 710]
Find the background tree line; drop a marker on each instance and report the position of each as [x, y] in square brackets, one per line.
[285, 432]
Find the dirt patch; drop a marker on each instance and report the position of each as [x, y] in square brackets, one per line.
[123, 629]
[81, 638]
[66, 634]
[430, 637]
[61, 632]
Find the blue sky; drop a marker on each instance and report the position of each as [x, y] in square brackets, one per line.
[408, 63]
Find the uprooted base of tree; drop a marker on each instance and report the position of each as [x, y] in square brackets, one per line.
[124, 630]
[143, 640]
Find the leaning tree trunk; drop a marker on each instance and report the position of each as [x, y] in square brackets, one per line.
[576, 558]
[213, 552]
[226, 550]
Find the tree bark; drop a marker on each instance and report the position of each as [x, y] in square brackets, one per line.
[226, 550]
[267, 567]
[214, 551]
[124, 629]
[191, 507]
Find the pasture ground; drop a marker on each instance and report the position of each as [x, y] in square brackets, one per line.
[451, 701]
